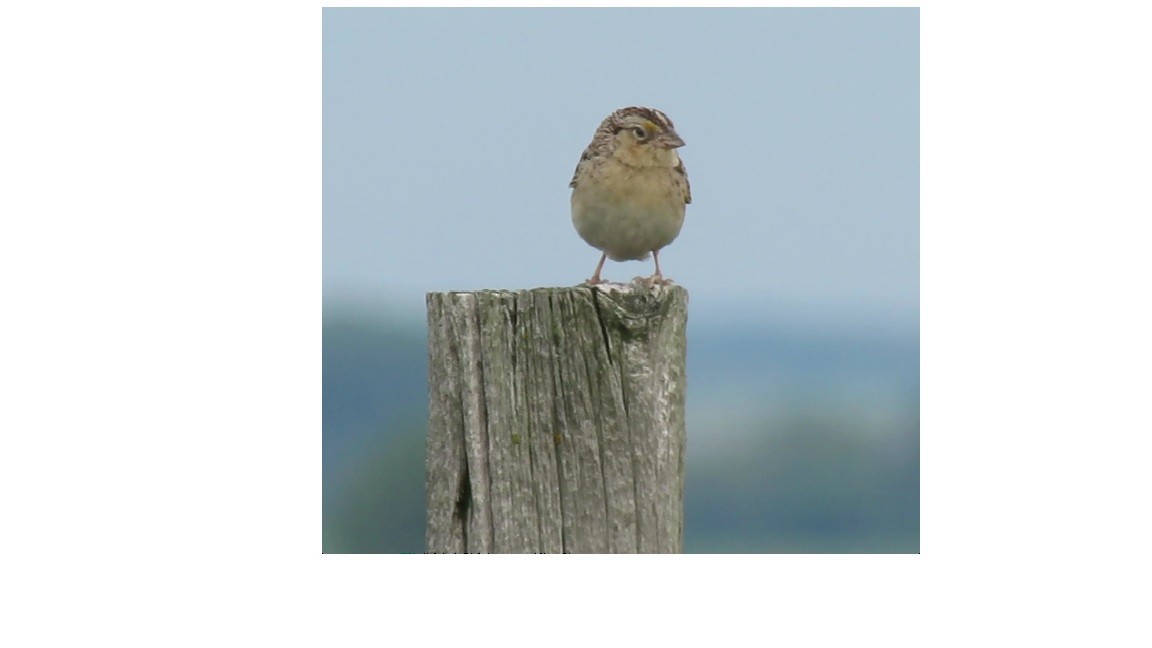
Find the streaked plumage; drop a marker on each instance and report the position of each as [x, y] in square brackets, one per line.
[630, 188]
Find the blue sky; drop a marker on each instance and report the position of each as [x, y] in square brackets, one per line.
[450, 136]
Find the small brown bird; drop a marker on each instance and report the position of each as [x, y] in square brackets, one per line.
[630, 188]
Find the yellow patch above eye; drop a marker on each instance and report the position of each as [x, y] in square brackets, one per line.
[650, 129]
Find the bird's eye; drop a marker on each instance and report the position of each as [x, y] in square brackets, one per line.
[641, 134]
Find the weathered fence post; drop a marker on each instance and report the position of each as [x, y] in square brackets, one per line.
[556, 420]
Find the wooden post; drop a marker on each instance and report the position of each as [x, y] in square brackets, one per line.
[556, 420]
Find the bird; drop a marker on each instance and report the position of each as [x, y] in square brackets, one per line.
[630, 189]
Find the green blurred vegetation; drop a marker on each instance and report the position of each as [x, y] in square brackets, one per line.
[810, 485]
[381, 507]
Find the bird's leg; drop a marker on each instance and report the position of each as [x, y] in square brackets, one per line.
[596, 275]
[658, 278]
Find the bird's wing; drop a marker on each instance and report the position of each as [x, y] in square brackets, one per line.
[682, 180]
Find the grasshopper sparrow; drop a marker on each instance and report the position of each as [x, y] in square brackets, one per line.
[630, 188]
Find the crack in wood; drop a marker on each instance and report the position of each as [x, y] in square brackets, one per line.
[522, 371]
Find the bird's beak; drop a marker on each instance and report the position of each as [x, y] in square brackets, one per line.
[669, 140]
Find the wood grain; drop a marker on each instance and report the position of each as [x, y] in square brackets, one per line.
[556, 420]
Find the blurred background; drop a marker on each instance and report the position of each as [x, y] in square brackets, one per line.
[450, 136]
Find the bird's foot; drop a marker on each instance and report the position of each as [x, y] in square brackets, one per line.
[654, 280]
